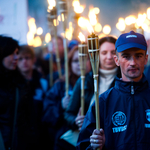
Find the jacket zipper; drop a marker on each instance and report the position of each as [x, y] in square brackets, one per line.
[133, 109]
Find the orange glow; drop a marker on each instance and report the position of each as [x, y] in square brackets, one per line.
[62, 17]
[106, 29]
[37, 41]
[47, 38]
[79, 9]
[39, 31]
[32, 25]
[101, 35]
[92, 17]
[130, 20]
[51, 4]
[82, 22]
[75, 3]
[121, 24]
[148, 13]
[96, 10]
[98, 27]
[81, 37]
[140, 20]
[69, 31]
[89, 27]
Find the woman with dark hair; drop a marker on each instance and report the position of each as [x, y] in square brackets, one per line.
[14, 110]
[56, 101]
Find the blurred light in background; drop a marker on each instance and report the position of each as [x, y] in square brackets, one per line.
[106, 29]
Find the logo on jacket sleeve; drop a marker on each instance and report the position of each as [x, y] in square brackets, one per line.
[148, 118]
[119, 119]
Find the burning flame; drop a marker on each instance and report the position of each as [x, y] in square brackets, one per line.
[55, 22]
[140, 20]
[69, 31]
[92, 17]
[89, 26]
[98, 27]
[130, 20]
[82, 22]
[148, 13]
[39, 31]
[32, 25]
[47, 38]
[106, 29]
[51, 4]
[37, 41]
[77, 7]
[96, 10]
[81, 37]
[121, 24]
[63, 17]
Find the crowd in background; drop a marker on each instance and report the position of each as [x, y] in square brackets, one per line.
[35, 115]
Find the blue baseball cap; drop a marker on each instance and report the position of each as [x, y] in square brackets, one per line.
[130, 40]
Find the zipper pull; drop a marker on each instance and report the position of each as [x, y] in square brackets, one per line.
[132, 89]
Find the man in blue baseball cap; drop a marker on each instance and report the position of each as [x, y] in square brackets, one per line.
[125, 108]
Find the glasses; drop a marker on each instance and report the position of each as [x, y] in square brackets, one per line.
[26, 58]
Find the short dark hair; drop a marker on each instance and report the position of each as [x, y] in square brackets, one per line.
[26, 49]
[109, 39]
[7, 46]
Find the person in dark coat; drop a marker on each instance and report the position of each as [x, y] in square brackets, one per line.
[56, 101]
[38, 88]
[14, 104]
[125, 108]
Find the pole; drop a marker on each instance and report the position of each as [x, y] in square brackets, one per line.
[93, 49]
[63, 11]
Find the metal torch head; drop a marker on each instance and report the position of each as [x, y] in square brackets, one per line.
[93, 49]
[53, 13]
[82, 57]
[62, 6]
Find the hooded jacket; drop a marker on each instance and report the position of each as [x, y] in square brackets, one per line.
[124, 116]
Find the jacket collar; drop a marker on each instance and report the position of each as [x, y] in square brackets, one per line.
[126, 86]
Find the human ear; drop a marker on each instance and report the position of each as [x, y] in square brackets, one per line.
[116, 60]
[146, 59]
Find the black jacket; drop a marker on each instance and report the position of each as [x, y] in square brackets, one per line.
[9, 82]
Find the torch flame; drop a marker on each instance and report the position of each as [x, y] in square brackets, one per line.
[51, 3]
[81, 37]
[121, 24]
[106, 29]
[47, 38]
[130, 20]
[77, 7]
[39, 31]
[89, 26]
[37, 41]
[148, 13]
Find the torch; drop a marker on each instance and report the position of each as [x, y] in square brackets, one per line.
[82, 59]
[63, 12]
[50, 64]
[53, 19]
[93, 49]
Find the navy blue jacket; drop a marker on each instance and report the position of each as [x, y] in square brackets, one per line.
[124, 116]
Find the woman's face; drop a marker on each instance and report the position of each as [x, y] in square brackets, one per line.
[75, 65]
[10, 62]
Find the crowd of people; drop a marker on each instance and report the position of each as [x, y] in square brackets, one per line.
[35, 115]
